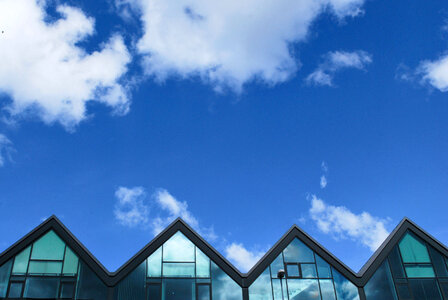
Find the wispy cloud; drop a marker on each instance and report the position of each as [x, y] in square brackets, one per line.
[6, 149]
[323, 178]
[435, 73]
[335, 62]
[241, 257]
[130, 208]
[340, 222]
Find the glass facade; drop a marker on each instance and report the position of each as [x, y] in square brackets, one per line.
[307, 277]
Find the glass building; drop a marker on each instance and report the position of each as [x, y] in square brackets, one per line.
[50, 263]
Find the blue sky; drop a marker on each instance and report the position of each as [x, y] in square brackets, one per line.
[119, 116]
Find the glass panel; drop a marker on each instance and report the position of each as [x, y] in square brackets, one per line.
[154, 292]
[381, 285]
[21, 261]
[292, 270]
[133, 286]
[178, 270]
[70, 262]
[444, 288]
[420, 271]
[89, 285]
[403, 292]
[178, 289]
[45, 267]
[277, 265]
[306, 289]
[412, 250]
[202, 264]
[261, 288]
[438, 262]
[425, 289]
[203, 292]
[203, 280]
[48, 247]
[345, 290]
[395, 263]
[67, 290]
[308, 270]
[5, 271]
[327, 289]
[223, 287]
[155, 264]
[298, 252]
[41, 288]
[178, 248]
[323, 268]
[15, 290]
[277, 286]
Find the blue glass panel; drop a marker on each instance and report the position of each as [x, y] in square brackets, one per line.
[308, 270]
[155, 264]
[425, 289]
[5, 272]
[89, 285]
[223, 287]
[178, 270]
[277, 265]
[133, 286]
[420, 271]
[395, 263]
[277, 286]
[323, 268]
[178, 289]
[261, 288]
[15, 290]
[21, 261]
[303, 289]
[202, 264]
[178, 248]
[48, 247]
[381, 285]
[413, 250]
[298, 252]
[438, 262]
[327, 289]
[41, 288]
[345, 290]
[292, 270]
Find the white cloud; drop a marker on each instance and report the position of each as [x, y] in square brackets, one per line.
[435, 73]
[6, 148]
[336, 61]
[242, 258]
[228, 43]
[47, 73]
[323, 182]
[342, 223]
[130, 208]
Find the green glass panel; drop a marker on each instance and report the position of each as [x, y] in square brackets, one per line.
[277, 286]
[323, 268]
[70, 262]
[178, 249]
[306, 289]
[345, 290]
[21, 261]
[178, 270]
[298, 252]
[5, 271]
[48, 247]
[327, 289]
[155, 264]
[224, 287]
[277, 265]
[419, 271]
[261, 288]
[45, 267]
[412, 250]
[202, 264]
[308, 270]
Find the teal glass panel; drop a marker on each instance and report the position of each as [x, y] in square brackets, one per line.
[89, 285]
[438, 261]
[178, 270]
[203, 292]
[70, 262]
[306, 289]
[381, 285]
[323, 268]
[15, 290]
[223, 287]
[45, 267]
[41, 288]
[155, 264]
[277, 265]
[5, 272]
[395, 263]
[202, 264]
[292, 271]
[420, 271]
[203, 280]
[67, 290]
[277, 286]
[261, 288]
[412, 250]
[327, 289]
[21, 261]
[403, 292]
[178, 249]
[178, 289]
[298, 252]
[345, 290]
[48, 247]
[154, 291]
[308, 270]
[133, 286]
[425, 289]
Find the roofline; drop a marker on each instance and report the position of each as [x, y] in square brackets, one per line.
[243, 279]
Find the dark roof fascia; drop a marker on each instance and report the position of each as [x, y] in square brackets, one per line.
[53, 223]
[285, 240]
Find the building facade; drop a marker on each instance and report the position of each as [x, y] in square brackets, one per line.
[50, 263]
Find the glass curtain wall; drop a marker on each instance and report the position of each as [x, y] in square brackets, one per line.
[178, 270]
[307, 277]
[413, 270]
